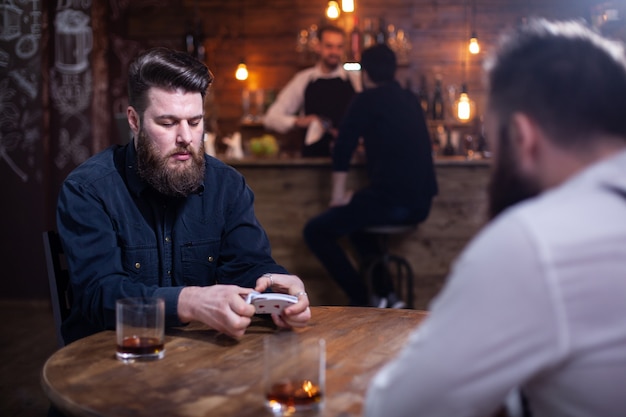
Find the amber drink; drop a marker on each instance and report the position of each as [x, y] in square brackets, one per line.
[140, 329]
[294, 374]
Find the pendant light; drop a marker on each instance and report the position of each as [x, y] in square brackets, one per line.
[463, 105]
[347, 6]
[242, 71]
[474, 46]
[332, 10]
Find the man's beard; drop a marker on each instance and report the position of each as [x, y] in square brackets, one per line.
[507, 185]
[153, 168]
[332, 63]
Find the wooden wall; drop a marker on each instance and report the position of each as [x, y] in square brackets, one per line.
[264, 33]
[288, 194]
[42, 138]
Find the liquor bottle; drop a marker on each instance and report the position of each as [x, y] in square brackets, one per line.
[369, 37]
[437, 107]
[423, 94]
[381, 34]
[448, 149]
[189, 40]
[355, 42]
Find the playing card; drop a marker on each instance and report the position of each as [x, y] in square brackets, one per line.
[270, 303]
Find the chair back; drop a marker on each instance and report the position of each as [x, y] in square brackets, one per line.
[59, 281]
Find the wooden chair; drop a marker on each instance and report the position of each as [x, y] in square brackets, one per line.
[59, 281]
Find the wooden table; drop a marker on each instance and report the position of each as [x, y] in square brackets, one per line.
[205, 373]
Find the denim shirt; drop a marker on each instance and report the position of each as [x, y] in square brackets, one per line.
[123, 239]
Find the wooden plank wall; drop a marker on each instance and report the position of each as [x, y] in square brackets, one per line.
[264, 33]
[287, 196]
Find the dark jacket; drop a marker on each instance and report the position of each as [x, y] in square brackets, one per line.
[123, 239]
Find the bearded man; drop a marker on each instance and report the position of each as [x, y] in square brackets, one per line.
[157, 217]
[316, 98]
[537, 301]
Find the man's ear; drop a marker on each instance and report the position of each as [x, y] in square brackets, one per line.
[527, 140]
[133, 120]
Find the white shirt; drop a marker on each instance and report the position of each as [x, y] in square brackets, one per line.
[281, 115]
[538, 301]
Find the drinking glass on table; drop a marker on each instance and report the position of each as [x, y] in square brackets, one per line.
[140, 329]
[294, 374]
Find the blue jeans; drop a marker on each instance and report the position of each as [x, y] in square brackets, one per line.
[322, 234]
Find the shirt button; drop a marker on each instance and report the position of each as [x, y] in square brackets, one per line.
[210, 259]
[169, 272]
[167, 238]
[137, 265]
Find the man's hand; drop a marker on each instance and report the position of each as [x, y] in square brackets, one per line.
[296, 315]
[341, 200]
[305, 121]
[221, 307]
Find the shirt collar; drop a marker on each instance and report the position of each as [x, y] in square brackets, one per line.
[135, 184]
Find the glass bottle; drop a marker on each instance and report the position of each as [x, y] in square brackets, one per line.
[369, 37]
[423, 94]
[381, 34]
[355, 42]
[438, 105]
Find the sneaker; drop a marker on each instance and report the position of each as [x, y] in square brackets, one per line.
[394, 302]
[379, 302]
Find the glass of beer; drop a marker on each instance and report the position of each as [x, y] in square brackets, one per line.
[140, 329]
[294, 373]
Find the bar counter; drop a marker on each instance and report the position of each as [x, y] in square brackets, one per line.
[290, 191]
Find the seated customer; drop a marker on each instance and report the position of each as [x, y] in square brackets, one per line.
[158, 217]
[537, 300]
[400, 169]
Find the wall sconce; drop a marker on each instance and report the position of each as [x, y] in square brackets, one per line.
[474, 46]
[242, 71]
[332, 10]
[347, 6]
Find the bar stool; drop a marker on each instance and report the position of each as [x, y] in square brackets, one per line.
[397, 269]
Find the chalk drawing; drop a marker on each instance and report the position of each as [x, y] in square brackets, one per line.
[74, 41]
[71, 148]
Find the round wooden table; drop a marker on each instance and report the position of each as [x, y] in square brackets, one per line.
[205, 373]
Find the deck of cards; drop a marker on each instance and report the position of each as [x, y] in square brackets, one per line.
[270, 303]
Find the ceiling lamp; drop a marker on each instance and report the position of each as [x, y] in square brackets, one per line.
[347, 6]
[474, 46]
[242, 71]
[332, 10]
[464, 106]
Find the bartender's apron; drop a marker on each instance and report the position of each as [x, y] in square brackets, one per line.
[327, 98]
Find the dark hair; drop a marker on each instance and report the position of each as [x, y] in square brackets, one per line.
[330, 29]
[563, 75]
[165, 68]
[379, 61]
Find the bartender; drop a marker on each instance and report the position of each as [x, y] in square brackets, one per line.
[316, 98]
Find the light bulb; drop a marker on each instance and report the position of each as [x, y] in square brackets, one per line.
[347, 6]
[474, 47]
[463, 107]
[242, 72]
[332, 10]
